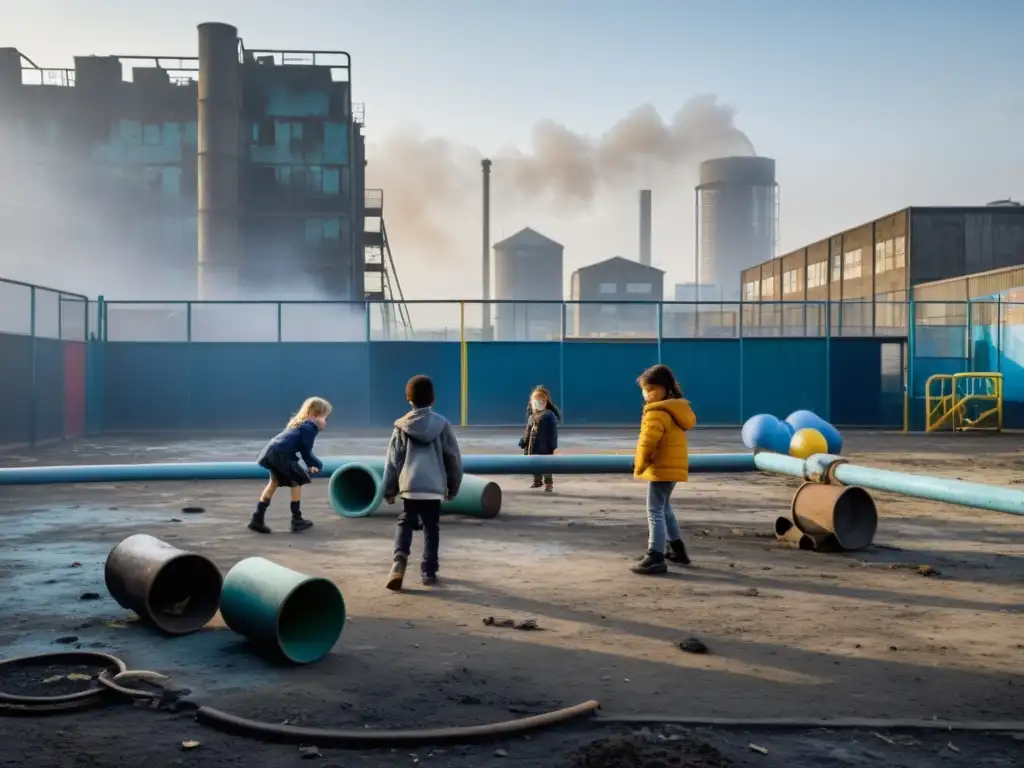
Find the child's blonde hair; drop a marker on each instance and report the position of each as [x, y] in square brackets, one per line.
[312, 408]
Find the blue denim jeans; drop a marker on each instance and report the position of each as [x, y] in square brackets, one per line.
[661, 520]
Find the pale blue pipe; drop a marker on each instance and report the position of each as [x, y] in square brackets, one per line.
[477, 464]
[990, 497]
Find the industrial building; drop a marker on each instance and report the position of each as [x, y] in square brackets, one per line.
[628, 293]
[244, 168]
[868, 273]
[528, 268]
[736, 221]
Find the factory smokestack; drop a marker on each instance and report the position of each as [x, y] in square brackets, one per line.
[645, 227]
[219, 249]
[485, 167]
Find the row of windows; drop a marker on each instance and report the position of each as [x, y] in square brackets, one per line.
[634, 288]
[851, 265]
[890, 254]
[750, 291]
[768, 285]
[793, 281]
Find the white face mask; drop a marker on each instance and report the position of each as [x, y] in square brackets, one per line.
[539, 405]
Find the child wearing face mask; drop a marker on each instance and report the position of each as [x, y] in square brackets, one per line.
[541, 435]
[662, 459]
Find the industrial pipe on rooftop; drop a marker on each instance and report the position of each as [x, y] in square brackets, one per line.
[217, 207]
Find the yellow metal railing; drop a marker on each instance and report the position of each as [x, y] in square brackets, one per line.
[964, 402]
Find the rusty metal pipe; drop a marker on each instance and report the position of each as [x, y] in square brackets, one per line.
[847, 514]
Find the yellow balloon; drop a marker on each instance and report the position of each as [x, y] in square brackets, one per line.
[807, 442]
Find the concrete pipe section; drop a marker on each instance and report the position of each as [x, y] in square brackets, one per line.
[830, 517]
[356, 489]
[282, 611]
[172, 590]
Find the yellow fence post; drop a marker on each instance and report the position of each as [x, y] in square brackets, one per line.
[463, 366]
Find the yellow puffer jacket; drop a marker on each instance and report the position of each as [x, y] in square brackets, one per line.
[661, 452]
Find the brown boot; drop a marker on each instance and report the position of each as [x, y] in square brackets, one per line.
[397, 575]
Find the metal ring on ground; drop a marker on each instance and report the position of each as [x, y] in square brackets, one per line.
[114, 683]
[86, 657]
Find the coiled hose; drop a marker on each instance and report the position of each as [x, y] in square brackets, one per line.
[115, 673]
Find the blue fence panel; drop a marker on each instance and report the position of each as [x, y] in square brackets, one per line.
[709, 372]
[600, 380]
[784, 375]
[146, 386]
[338, 371]
[502, 374]
[393, 363]
[50, 395]
[859, 395]
[236, 385]
[17, 397]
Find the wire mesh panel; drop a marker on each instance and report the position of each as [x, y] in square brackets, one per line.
[73, 317]
[15, 308]
[127, 321]
[248, 322]
[611, 320]
[416, 321]
[323, 321]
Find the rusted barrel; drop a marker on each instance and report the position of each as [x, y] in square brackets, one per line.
[177, 592]
[846, 513]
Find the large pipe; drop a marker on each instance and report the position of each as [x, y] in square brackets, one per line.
[175, 591]
[485, 167]
[283, 611]
[816, 468]
[477, 464]
[645, 227]
[219, 116]
[357, 490]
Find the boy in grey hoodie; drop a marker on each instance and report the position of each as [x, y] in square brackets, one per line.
[424, 467]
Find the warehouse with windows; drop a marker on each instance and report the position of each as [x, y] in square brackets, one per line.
[864, 276]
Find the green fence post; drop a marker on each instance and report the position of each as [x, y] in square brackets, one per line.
[561, 364]
[661, 326]
[828, 359]
[739, 336]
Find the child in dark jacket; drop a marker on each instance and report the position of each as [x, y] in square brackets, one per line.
[280, 457]
[541, 435]
[424, 467]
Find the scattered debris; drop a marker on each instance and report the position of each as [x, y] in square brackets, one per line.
[189, 744]
[79, 676]
[751, 592]
[75, 564]
[309, 753]
[89, 596]
[881, 737]
[174, 520]
[952, 747]
[115, 625]
[927, 571]
[757, 748]
[176, 609]
[193, 510]
[693, 645]
[66, 640]
[527, 625]
[500, 752]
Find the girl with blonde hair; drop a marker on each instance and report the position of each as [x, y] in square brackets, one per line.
[280, 457]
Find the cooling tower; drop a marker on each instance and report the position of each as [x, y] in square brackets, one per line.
[737, 215]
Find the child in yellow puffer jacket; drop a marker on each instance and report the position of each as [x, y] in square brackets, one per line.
[663, 460]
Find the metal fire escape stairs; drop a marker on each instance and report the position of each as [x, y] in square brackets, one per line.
[381, 278]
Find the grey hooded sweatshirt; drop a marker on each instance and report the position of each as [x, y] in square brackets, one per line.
[423, 459]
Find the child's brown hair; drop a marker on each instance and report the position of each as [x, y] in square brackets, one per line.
[661, 376]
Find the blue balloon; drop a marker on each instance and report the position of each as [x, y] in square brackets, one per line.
[807, 420]
[765, 432]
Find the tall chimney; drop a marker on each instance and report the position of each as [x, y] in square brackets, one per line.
[485, 167]
[645, 227]
[219, 249]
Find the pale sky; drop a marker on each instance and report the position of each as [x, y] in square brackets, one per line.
[867, 106]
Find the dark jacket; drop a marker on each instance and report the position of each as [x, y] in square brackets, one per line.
[423, 456]
[541, 435]
[296, 441]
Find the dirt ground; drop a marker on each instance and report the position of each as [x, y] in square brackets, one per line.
[789, 633]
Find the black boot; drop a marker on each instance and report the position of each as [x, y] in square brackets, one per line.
[299, 523]
[256, 521]
[536, 483]
[677, 552]
[652, 563]
[397, 575]
[428, 579]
